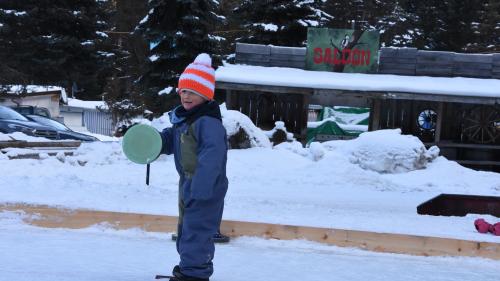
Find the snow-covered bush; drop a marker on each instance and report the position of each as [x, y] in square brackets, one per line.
[279, 133]
[236, 123]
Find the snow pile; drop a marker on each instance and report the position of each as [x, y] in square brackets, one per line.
[3, 156]
[162, 122]
[315, 151]
[4, 137]
[387, 151]
[22, 137]
[95, 153]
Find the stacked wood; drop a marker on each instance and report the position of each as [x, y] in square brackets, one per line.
[400, 61]
[496, 66]
[20, 149]
[266, 55]
[473, 65]
[253, 54]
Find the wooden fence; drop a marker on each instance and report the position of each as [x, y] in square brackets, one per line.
[265, 108]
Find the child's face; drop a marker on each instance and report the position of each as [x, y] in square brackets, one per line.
[190, 99]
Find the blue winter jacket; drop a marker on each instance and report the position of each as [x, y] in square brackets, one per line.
[199, 144]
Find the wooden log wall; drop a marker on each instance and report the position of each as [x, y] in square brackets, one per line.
[496, 66]
[265, 55]
[410, 61]
[399, 61]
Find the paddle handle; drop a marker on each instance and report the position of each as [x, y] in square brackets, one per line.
[147, 174]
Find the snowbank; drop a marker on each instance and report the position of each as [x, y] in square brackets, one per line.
[386, 151]
[383, 151]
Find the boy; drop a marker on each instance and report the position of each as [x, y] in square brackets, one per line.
[198, 142]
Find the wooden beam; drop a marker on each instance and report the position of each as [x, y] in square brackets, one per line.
[263, 88]
[46, 216]
[26, 144]
[36, 155]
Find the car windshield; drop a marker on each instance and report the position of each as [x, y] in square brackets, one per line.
[49, 122]
[10, 114]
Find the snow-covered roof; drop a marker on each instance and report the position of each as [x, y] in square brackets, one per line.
[36, 90]
[293, 77]
[87, 104]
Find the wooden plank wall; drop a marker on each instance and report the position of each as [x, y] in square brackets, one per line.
[403, 114]
[265, 108]
[410, 61]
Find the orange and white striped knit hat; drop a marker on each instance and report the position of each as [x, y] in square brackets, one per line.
[199, 77]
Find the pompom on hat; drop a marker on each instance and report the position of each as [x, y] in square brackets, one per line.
[199, 77]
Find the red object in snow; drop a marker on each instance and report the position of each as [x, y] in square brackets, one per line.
[482, 226]
[495, 229]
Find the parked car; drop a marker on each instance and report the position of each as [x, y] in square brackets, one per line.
[63, 131]
[28, 109]
[11, 121]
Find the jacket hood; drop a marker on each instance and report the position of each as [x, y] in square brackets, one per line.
[209, 108]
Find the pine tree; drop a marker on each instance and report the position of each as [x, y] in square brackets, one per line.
[397, 26]
[55, 42]
[130, 50]
[177, 31]
[487, 28]
[277, 22]
[444, 25]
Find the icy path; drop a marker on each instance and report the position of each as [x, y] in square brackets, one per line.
[30, 253]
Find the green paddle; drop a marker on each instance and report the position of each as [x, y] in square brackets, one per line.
[142, 145]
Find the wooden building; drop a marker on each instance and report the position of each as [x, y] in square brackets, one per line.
[446, 99]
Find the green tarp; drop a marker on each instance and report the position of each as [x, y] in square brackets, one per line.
[338, 115]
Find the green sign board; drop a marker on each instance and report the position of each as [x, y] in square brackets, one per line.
[342, 50]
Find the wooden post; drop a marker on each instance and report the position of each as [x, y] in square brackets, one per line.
[439, 121]
[375, 115]
[229, 99]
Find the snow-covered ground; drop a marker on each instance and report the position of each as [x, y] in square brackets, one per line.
[373, 183]
[99, 253]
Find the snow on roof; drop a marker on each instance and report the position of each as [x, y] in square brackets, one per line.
[293, 77]
[87, 104]
[36, 89]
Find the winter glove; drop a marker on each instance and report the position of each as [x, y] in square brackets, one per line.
[495, 229]
[482, 226]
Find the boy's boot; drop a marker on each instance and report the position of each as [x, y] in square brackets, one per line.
[178, 276]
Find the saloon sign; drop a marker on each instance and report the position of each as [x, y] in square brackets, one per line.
[342, 50]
